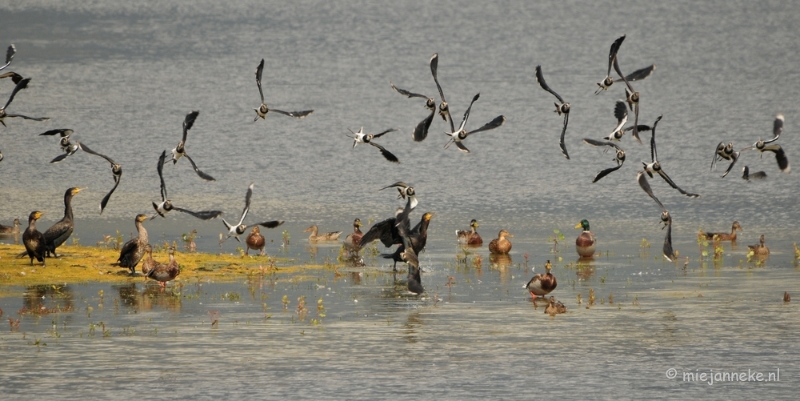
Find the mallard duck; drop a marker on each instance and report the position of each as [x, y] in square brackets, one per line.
[148, 263]
[563, 108]
[316, 236]
[501, 244]
[13, 229]
[725, 236]
[542, 284]
[555, 307]
[585, 243]
[131, 253]
[58, 233]
[33, 239]
[353, 240]
[471, 236]
[164, 272]
[255, 241]
[759, 249]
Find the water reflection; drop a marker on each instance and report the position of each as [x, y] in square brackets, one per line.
[46, 298]
[151, 296]
[585, 269]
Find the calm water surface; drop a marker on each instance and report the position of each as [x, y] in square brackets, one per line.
[123, 76]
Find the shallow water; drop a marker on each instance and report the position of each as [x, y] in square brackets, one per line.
[123, 76]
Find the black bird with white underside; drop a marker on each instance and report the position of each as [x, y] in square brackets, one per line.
[67, 147]
[116, 172]
[261, 111]
[655, 166]
[22, 84]
[459, 135]
[619, 158]
[421, 129]
[725, 152]
[444, 108]
[239, 228]
[666, 218]
[561, 108]
[361, 137]
[166, 204]
[180, 150]
[769, 145]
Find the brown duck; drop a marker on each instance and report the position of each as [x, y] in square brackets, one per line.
[316, 236]
[471, 236]
[501, 244]
[255, 241]
[555, 307]
[542, 284]
[725, 236]
[164, 272]
[759, 249]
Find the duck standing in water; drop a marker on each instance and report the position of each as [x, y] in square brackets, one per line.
[725, 236]
[164, 272]
[255, 241]
[471, 236]
[542, 284]
[501, 244]
[585, 243]
[353, 240]
[148, 263]
[34, 240]
[316, 236]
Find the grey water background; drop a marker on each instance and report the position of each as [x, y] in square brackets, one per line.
[124, 75]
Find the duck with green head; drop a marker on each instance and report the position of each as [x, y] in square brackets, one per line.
[585, 243]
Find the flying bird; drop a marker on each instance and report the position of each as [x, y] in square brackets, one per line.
[444, 109]
[421, 129]
[459, 135]
[768, 145]
[361, 137]
[239, 228]
[10, 52]
[166, 204]
[612, 54]
[561, 108]
[655, 166]
[632, 98]
[180, 150]
[666, 219]
[261, 111]
[619, 158]
[116, 171]
[725, 152]
[67, 147]
[22, 84]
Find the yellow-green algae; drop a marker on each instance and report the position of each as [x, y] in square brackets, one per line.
[77, 264]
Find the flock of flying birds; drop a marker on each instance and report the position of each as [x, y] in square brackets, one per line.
[395, 230]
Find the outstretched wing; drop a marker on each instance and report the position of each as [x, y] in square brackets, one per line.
[543, 84]
[563, 134]
[104, 202]
[270, 224]
[197, 170]
[498, 121]
[295, 114]
[386, 154]
[646, 187]
[734, 159]
[378, 135]
[204, 215]
[406, 93]
[780, 157]
[639, 74]
[259, 72]
[671, 183]
[20, 86]
[87, 150]
[606, 172]
[160, 169]
[188, 122]
[421, 130]
[612, 52]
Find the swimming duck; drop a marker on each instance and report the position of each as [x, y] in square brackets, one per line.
[542, 284]
[255, 241]
[555, 307]
[501, 244]
[725, 236]
[58, 233]
[148, 263]
[164, 272]
[132, 252]
[471, 236]
[561, 108]
[180, 150]
[13, 229]
[759, 249]
[759, 175]
[585, 243]
[34, 240]
[316, 236]
[116, 172]
[353, 240]
[261, 111]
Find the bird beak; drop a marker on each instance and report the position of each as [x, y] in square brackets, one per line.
[578, 225]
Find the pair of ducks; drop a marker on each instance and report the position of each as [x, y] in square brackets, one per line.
[161, 272]
[759, 249]
[543, 284]
[256, 241]
[585, 243]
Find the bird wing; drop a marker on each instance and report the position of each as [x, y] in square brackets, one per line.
[295, 114]
[671, 183]
[384, 132]
[780, 157]
[619, 72]
[466, 113]
[160, 169]
[498, 121]
[639, 74]
[14, 76]
[668, 252]
[87, 150]
[386, 154]
[197, 170]
[563, 134]
[606, 172]
[28, 117]
[621, 114]
[421, 130]
[188, 122]
[543, 84]
[247, 198]
[653, 152]
[777, 128]
[10, 52]
[270, 224]
[104, 202]
[406, 93]
[612, 52]
[646, 187]
[734, 158]
[717, 155]
[259, 71]
[385, 231]
[20, 86]
[63, 132]
[434, 69]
